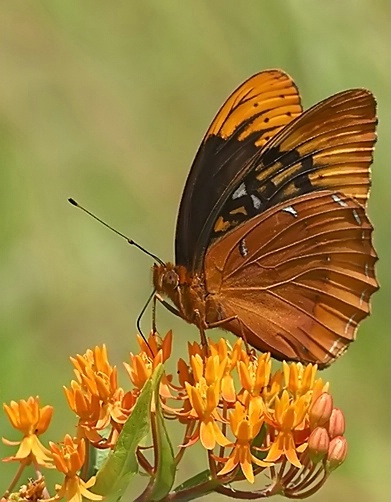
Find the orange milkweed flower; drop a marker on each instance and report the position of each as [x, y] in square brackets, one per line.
[255, 375]
[142, 365]
[95, 374]
[289, 415]
[156, 344]
[83, 403]
[232, 355]
[204, 398]
[245, 422]
[95, 359]
[32, 421]
[69, 458]
[299, 378]
[184, 373]
[95, 396]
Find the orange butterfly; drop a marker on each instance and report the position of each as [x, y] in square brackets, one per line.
[273, 242]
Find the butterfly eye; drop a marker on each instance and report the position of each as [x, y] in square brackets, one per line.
[171, 279]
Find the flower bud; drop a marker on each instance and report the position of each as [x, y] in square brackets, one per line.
[338, 450]
[336, 426]
[318, 444]
[321, 409]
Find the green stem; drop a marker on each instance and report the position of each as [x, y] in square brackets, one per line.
[193, 492]
[243, 495]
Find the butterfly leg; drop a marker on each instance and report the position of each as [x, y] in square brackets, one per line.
[200, 323]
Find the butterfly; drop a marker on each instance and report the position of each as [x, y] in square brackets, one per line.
[273, 242]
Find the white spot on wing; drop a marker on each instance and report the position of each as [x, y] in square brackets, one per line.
[338, 200]
[243, 248]
[291, 210]
[335, 346]
[366, 269]
[363, 295]
[349, 322]
[357, 217]
[240, 191]
[256, 201]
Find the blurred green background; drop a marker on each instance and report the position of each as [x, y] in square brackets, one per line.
[107, 102]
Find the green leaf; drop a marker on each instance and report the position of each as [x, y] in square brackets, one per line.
[100, 458]
[120, 467]
[96, 458]
[164, 457]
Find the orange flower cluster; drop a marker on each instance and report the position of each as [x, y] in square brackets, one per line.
[97, 399]
[259, 420]
[67, 457]
[248, 419]
[32, 421]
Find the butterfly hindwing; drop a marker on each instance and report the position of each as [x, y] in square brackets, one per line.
[260, 108]
[298, 277]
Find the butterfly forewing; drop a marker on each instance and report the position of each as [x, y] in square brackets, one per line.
[330, 146]
[260, 108]
[298, 277]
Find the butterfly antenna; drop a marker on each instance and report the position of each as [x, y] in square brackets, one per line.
[130, 241]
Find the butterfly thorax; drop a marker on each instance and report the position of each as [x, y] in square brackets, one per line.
[186, 290]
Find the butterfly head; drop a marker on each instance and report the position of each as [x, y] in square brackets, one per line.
[165, 278]
[184, 289]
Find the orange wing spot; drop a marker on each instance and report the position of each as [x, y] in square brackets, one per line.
[239, 210]
[290, 191]
[221, 225]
